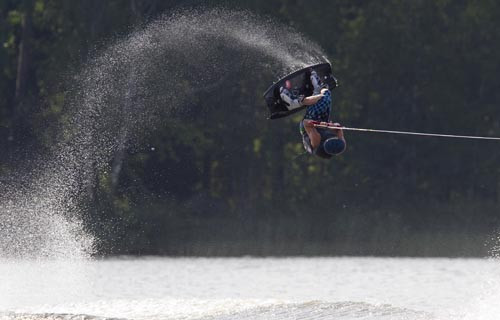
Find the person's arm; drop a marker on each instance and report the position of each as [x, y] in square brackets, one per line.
[313, 134]
[309, 101]
[340, 132]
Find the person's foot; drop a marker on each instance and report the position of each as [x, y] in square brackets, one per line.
[289, 99]
[285, 92]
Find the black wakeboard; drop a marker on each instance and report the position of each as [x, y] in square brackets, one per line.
[300, 85]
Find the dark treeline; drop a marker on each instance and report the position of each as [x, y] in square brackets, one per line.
[226, 181]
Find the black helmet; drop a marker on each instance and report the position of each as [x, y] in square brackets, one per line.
[334, 146]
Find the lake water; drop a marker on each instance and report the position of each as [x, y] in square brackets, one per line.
[251, 288]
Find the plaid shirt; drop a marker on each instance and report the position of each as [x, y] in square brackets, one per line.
[320, 111]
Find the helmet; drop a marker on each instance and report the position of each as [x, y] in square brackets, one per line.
[334, 146]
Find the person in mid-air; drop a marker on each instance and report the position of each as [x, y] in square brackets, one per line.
[321, 142]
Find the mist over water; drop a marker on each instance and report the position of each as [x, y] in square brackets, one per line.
[121, 93]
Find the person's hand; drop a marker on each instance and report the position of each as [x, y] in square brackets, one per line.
[311, 123]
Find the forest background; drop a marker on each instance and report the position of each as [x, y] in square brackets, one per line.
[228, 182]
